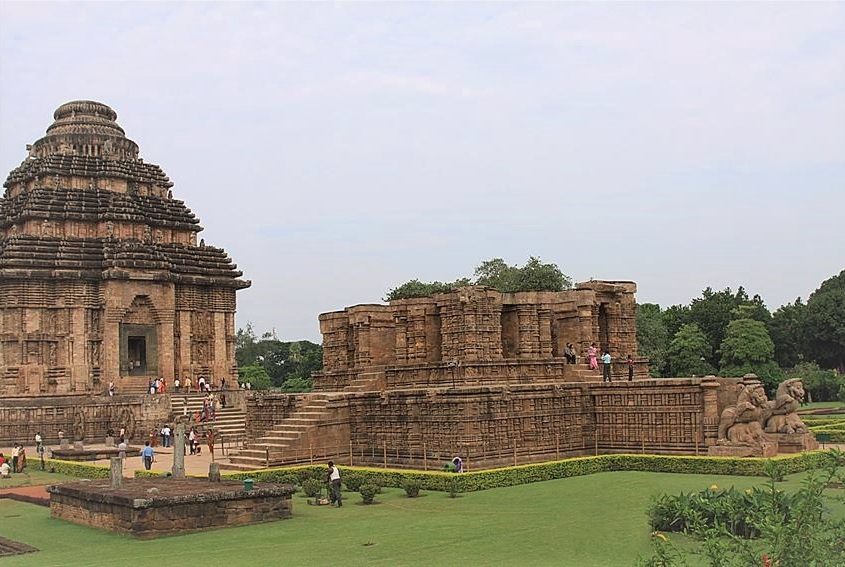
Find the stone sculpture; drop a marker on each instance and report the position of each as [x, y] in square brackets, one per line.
[781, 416]
[740, 424]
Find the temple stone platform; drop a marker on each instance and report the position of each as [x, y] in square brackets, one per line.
[157, 507]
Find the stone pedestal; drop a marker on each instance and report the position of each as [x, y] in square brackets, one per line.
[178, 470]
[109, 441]
[78, 446]
[794, 442]
[115, 473]
[63, 444]
[765, 450]
[213, 472]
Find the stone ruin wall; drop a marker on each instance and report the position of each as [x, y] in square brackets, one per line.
[478, 334]
[82, 418]
[497, 425]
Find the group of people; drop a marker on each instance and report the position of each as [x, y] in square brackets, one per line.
[158, 386]
[606, 360]
[15, 463]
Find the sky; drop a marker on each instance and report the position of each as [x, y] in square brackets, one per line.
[337, 150]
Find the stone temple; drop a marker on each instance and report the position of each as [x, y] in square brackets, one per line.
[101, 276]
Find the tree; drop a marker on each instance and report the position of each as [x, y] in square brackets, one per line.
[824, 323]
[255, 375]
[287, 364]
[747, 348]
[495, 273]
[652, 337]
[674, 318]
[689, 352]
[820, 385]
[787, 333]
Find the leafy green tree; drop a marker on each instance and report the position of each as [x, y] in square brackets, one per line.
[746, 348]
[495, 273]
[255, 375]
[824, 323]
[416, 288]
[689, 352]
[820, 385]
[787, 333]
[652, 337]
[288, 364]
[674, 318]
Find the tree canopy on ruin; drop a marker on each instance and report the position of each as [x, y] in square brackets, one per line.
[535, 275]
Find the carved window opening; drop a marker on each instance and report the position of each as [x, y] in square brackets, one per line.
[604, 331]
[137, 347]
[510, 331]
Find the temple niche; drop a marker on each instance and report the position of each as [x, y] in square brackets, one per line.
[100, 275]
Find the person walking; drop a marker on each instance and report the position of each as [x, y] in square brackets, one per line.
[121, 449]
[630, 368]
[165, 433]
[147, 455]
[334, 480]
[605, 374]
[592, 353]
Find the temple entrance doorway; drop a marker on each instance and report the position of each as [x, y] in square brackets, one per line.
[137, 355]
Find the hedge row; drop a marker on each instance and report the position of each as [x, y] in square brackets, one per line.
[525, 474]
[74, 469]
[822, 421]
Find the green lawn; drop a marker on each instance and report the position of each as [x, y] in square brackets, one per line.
[32, 476]
[596, 520]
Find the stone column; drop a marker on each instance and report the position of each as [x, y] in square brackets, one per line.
[178, 470]
[115, 472]
[710, 425]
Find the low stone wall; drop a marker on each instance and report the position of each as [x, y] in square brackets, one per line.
[266, 409]
[81, 418]
[150, 508]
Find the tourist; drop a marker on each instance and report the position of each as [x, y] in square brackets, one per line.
[192, 440]
[5, 470]
[187, 385]
[209, 436]
[152, 387]
[334, 479]
[21, 459]
[569, 352]
[147, 455]
[162, 386]
[605, 371]
[222, 384]
[165, 435]
[201, 384]
[592, 352]
[2, 458]
[16, 451]
[458, 463]
[121, 448]
[111, 388]
[630, 368]
[39, 444]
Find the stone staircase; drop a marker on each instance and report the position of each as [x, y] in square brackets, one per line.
[288, 437]
[130, 385]
[230, 423]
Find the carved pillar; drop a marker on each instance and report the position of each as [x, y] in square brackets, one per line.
[221, 365]
[710, 421]
[546, 335]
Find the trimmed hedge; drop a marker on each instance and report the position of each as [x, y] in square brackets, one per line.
[539, 472]
[75, 469]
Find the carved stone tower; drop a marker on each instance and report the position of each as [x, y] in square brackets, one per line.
[101, 277]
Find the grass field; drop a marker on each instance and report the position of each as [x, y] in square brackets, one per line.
[596, 520]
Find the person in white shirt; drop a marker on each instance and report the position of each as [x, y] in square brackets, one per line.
[5, 470]
[334, 478]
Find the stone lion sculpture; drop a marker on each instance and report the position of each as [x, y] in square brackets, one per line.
[740, 424]
[781, 416]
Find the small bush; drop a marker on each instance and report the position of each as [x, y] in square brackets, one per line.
[312, 487]
[368, 492]
[453, 487]
[353, 481]
[412, 487]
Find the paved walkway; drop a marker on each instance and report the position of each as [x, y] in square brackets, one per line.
[194, 464]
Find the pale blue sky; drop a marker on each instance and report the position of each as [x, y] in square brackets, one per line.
[337, 150]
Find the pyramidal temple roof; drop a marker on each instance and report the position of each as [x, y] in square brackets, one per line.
[83, 198]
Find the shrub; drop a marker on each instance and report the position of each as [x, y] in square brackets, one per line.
[312, 487]
[78, 470]
[353, 481]
[368, 493]
[412, 487]
[453, 487]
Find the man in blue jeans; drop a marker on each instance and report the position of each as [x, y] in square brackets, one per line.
[147, 455]
[605, 375]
